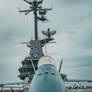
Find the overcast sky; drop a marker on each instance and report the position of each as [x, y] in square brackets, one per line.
[73, 21]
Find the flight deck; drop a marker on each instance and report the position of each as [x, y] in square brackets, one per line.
[26, 90]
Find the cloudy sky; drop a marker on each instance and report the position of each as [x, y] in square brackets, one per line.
[73, 22]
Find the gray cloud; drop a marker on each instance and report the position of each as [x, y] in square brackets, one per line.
[74, 2]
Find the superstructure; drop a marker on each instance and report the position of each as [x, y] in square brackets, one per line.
[29, 64]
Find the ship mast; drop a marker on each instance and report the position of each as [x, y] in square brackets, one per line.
[36, 25]
[35, 19]
[36, 8]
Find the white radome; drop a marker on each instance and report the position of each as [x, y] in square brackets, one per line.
[46, 60]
